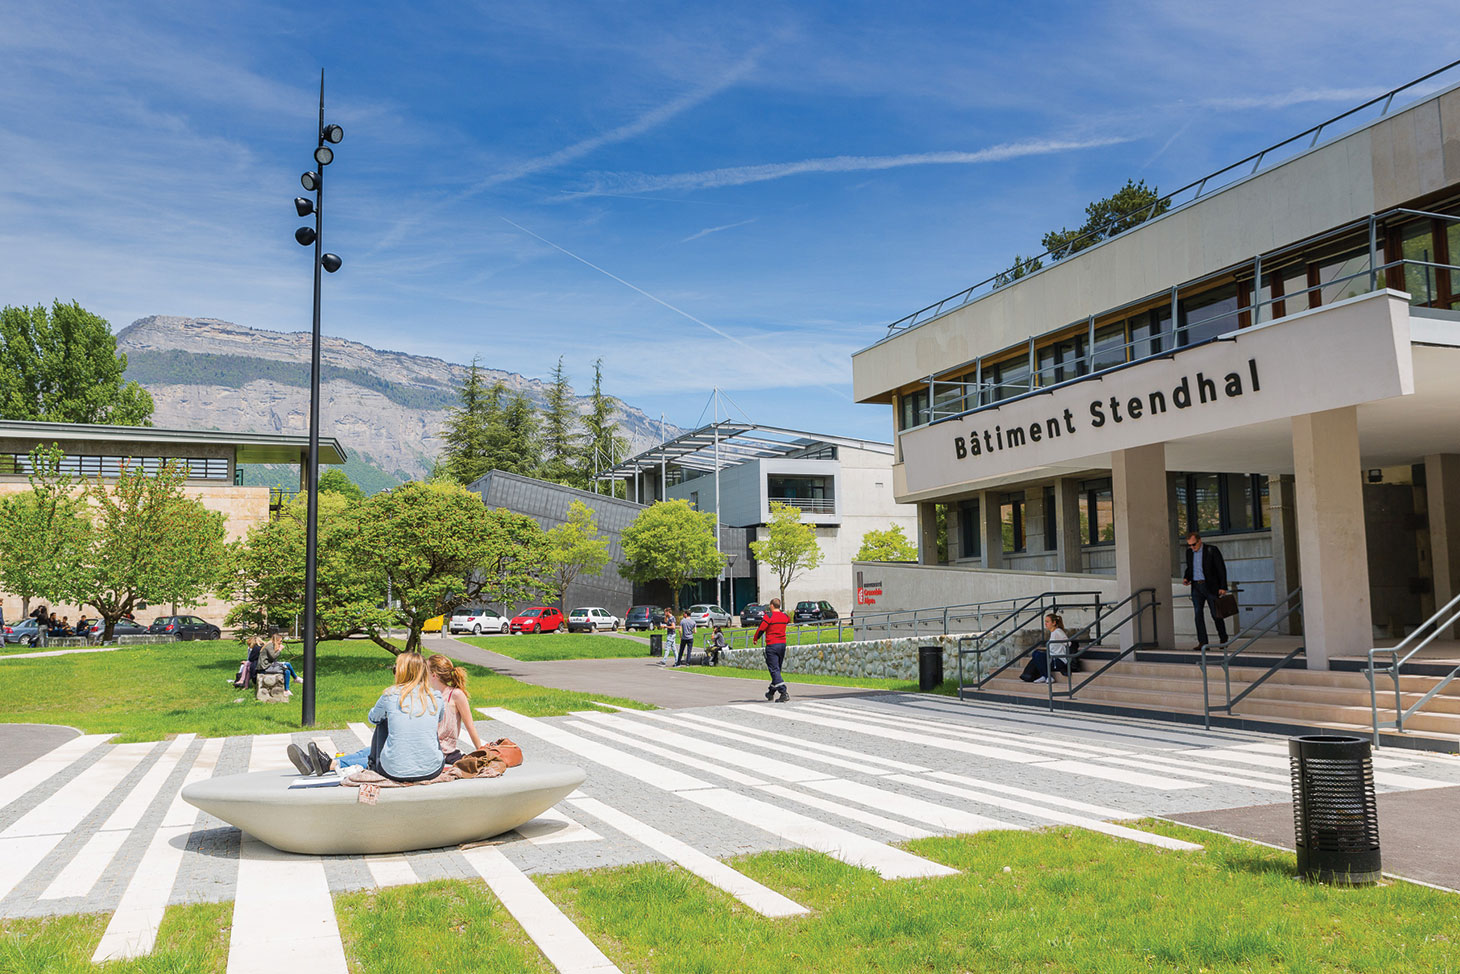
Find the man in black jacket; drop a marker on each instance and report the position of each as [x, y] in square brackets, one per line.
[1206, 573]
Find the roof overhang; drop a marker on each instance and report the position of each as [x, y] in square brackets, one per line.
[727, 444]
[248, 448]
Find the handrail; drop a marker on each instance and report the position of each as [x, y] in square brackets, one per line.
[1136, 644]
[1395, 665]
[1264, 625]
[1165, 203]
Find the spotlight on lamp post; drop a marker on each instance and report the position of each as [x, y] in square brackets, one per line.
[313, 182]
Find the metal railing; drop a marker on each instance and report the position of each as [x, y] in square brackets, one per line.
[952, 398]
[1028, 611]
[1214, 180]
[811, 505]
[1427, 632]
[1135, 606]
[1264, 625]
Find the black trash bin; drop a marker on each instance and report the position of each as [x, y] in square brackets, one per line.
[1335, 814]
[930, 667]
[656, 644]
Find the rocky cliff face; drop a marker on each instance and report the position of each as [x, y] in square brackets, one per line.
[387, 407]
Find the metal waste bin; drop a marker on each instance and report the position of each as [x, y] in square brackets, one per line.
[1335, 813]
[930, 667]
[656, 644]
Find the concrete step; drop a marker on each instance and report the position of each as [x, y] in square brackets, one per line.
[1174, 679]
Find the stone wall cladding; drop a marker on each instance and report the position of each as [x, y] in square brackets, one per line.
[895, 659]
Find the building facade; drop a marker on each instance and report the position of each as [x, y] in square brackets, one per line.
[1271, 362]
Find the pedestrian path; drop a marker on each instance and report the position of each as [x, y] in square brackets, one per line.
[94, 826]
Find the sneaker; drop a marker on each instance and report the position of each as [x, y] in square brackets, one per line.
[320, 759]
[784, 696]
[1042, 679]
[299, 759]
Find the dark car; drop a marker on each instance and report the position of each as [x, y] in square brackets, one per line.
[123, 627]
[815, 612]
[753, 613]
[644, 617]
[185, 627]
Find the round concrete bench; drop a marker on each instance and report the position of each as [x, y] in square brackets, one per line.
[318, 816]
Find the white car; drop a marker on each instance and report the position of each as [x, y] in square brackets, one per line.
[477, 621]
[709, 615]
[592, 619]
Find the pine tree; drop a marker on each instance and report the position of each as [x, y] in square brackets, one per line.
[465, 458]
[560, 432]
[603, 444]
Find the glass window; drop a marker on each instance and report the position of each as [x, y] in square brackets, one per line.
[1051, 528]
[1062, 361]
[948, 398]
[970, 531]
[1011, 514]
[1150, 333]
[1223, 503]
[1097, 513]
[1208, 315]
[1262, 520]
[1011, 378]
[1416, 242]
[1347, 274]
[1204, 508]
[1237, 498]
[914, 408]
[1109, 347]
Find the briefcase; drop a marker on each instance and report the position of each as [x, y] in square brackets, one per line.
[1226, 605]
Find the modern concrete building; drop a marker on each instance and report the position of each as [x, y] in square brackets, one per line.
[842, 485]
[214, 461]
[1273, 362]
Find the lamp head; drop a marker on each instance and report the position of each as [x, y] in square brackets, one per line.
[333, 133]
[303, 206]
[310, 181]
[331, 262]
[305, 236]
[324, 155]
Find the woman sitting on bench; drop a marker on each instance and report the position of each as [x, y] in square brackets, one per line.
[405, 746]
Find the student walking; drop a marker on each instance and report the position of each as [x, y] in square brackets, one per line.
[1206, 573]
[773, 627]
[686, 639]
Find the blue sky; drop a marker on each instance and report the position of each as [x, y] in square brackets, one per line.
[735, 194]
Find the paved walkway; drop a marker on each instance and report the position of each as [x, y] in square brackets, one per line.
[635, 678]
[21, 744]
[97, 827]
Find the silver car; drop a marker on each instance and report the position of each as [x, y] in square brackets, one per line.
[709, 615]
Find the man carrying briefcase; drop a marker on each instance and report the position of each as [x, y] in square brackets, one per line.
[1206, 573]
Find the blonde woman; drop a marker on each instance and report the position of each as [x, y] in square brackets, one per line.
[405, 746]
[449, 680]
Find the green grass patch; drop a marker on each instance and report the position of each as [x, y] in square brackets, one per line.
[192, 938]
[834, 681]
[739, 637]
[556, 646]
[146, 693]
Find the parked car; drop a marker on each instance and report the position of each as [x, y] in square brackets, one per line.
[753, 613]
[478, 620]
[23, 631]
[815, 612]
[185, 627]
[644, 617]
[592, 619]
[123, 627]
[433, 624]
[539, 618]
[709, 615]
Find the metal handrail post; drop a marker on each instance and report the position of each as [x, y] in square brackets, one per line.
[1206, 700]
[1398, 701]
[1373, 253]
[1373, 702]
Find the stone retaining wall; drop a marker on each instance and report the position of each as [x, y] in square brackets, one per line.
[895, 659]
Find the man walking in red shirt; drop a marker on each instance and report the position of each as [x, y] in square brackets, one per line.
[773, 627]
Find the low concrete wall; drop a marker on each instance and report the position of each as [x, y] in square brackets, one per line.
[895, 659]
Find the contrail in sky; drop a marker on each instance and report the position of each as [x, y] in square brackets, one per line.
[660, 301]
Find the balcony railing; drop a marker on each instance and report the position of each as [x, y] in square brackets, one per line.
[811, 505]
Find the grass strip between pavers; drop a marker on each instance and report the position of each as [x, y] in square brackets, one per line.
[146, 693]
[1059, 899]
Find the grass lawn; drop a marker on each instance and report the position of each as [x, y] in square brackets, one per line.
[1060, 900]
[553, 646]
[146, 693]
[759, 675]
[739, 638]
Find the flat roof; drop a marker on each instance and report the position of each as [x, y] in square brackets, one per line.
[247, 447]
[738, 443]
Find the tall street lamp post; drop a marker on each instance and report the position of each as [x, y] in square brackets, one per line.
[313, 181]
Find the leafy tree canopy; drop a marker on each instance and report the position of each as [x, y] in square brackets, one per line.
[673, 542]
[789, 547]
[1132, 204]
[889, 545]
[60, 365]
[336, 481]
[573, 549]
[44, 533]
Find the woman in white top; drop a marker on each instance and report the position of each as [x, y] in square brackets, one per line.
[1058, 643]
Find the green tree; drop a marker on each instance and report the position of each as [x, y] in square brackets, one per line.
[150, 542]
[672, 542]
[440, 549]
[43, 533]
[789, 547]
[889, 545]
[465, 457]
[604, 446]
[336, 481]
[520, 447]
[574, 549]
[265, 574]
[560, 432]
[1020, 267]
[1131, 205]
[62, 366]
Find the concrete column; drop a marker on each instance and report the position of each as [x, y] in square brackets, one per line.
[1282, 518]
[927, 534]
[1067, 512]
[1334, 558]
[993, 530]
[1442, 491]
[1143, 538]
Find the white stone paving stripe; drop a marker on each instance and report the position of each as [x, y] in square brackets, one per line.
[1243, 781]
[31, 837]
[282, 910]
[853, 849]
[896, 734]
[1067, 748]
[60, 652]
[759, 898]
[610, 757]
[728, 756]
[1111, 729]
[729, 774]
[1377, 760]
[892, 826]
[796, 745]
[132, 929]
[1052, 815]
[552, 827]
[939, 816]
[1155, 782]
[563, 944]
[1407, 782]
[1058, 801]
[83, 871]
[23, 779]
[391, 870]
[364, 732]
[867, 764]
[270, 752]
[839, 843]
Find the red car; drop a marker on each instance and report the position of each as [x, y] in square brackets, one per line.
[540, 618]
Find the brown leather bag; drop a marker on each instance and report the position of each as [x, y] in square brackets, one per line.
[491, 760]
[510, 752]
